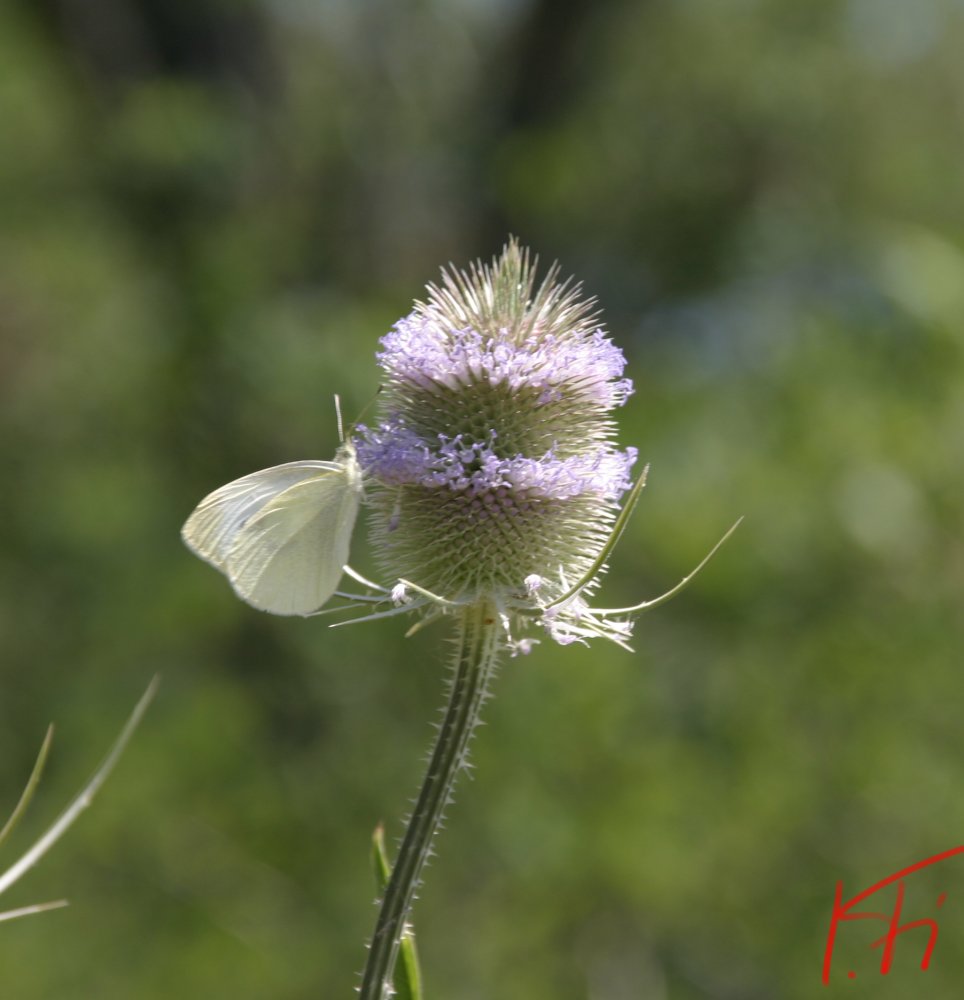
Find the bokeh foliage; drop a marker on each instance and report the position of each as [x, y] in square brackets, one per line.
[211, 212]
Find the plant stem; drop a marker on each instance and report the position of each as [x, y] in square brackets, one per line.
[477, 646]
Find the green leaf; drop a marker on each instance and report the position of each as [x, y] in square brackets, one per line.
[28, 792]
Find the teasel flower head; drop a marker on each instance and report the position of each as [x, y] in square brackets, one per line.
[492, 474]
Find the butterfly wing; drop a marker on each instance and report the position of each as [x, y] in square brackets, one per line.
[288, 557]
[213, 528]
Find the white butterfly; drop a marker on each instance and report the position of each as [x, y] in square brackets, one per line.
[281, 535]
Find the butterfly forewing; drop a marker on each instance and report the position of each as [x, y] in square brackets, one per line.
[288, 558]
[211, 530]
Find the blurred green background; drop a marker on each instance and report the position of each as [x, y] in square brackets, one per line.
[211, 211]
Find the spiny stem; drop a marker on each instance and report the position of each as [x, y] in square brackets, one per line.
[477, 645]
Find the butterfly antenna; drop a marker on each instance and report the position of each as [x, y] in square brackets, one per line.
[341, 429]
[362, 413]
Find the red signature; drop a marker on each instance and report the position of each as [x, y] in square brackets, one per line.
[842, 912]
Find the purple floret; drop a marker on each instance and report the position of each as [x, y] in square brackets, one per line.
[423, 352]
[397, 457]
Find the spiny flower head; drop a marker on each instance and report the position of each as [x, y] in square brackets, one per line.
[492, 473]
